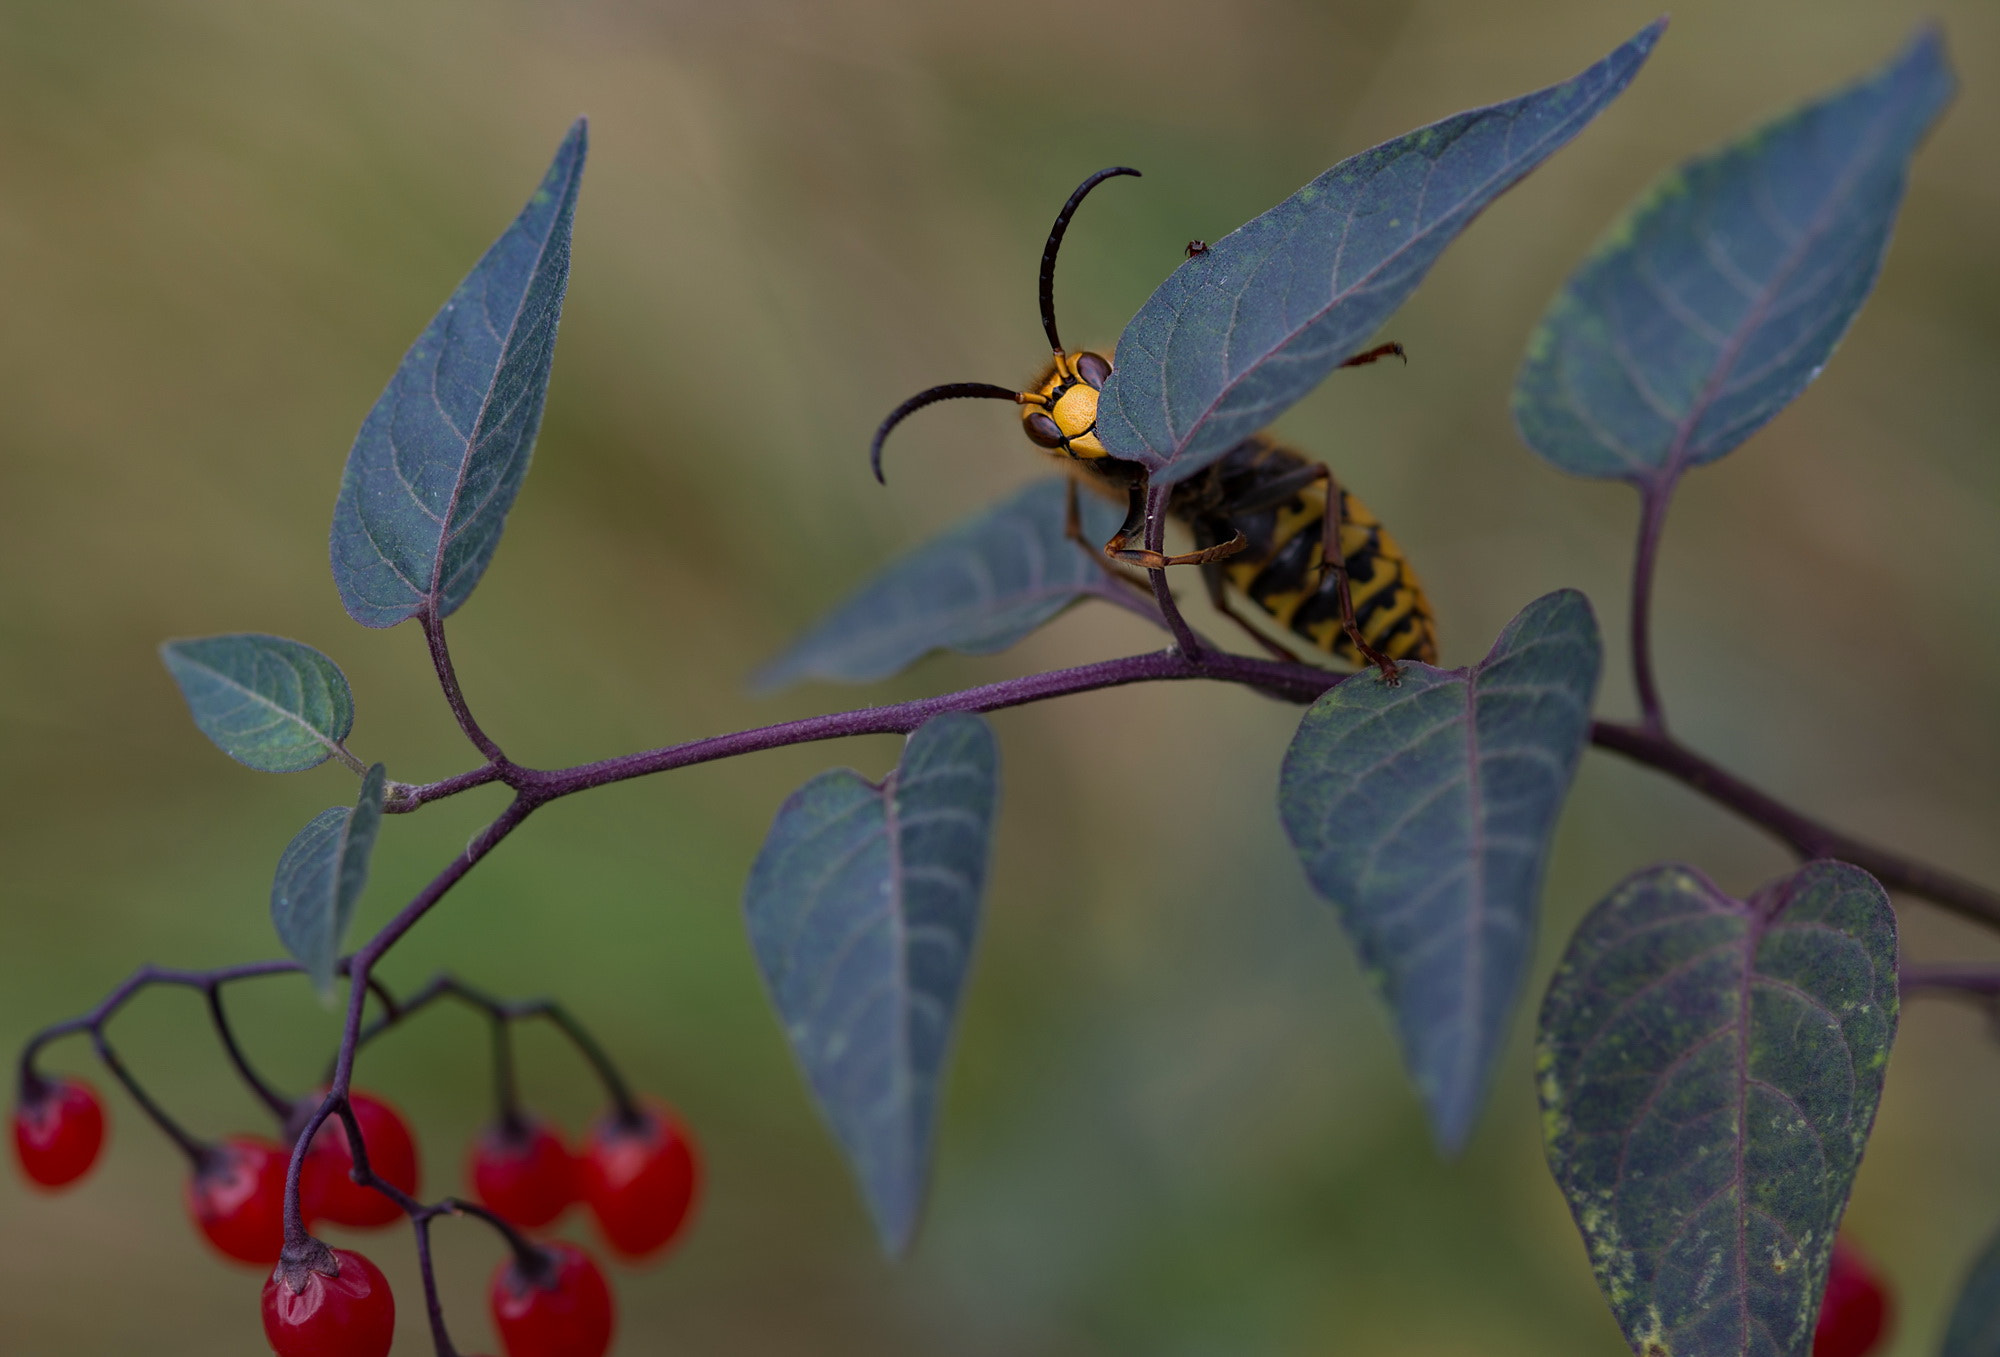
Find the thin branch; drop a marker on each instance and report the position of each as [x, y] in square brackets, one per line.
[279, 1105]
[1163, 595]
[1654, 497]
[1292, 682]
[448, 680]
[197, 1151]
[1801, 833]
[404, 797]
[1966, 979]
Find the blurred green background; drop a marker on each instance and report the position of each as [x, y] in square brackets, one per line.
[1176, 1124]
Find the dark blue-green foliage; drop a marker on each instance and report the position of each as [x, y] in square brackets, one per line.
[320, 877]
[278, 706]
[440, 458]
[976, 589]
[1424, 813]
[1974, 1330]
[1237, 335]
[863, 907]
[1709, 1070]
[1722, 294]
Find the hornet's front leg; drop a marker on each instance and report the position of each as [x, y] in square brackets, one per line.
[1135, 526]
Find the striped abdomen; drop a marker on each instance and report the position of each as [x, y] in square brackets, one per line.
[1279, 567]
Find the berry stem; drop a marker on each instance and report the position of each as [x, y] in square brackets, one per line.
[279, 1105]
[440, 1336]
[504, 1012]
[198, 1152]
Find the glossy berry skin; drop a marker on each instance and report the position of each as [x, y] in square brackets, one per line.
[349, 1315]
[58, 1131]
[326, 1189]
[237, 1199]
[1854, 1317]
[564, 1312]
[640, 1181]
[523, 1172]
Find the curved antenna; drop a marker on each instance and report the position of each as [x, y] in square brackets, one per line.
[950, 391]
[1055, 243]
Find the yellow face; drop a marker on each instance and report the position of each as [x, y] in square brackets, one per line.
[1060, 413]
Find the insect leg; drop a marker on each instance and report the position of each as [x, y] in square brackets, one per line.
[1073, 530]
[1135, 524]
[1375, 355]
[1331, 557]
[1211, 575]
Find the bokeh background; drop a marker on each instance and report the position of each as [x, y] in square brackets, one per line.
[1176, 1124]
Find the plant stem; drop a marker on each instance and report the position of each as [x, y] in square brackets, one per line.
[197, 1151]
[448, 680]
[433, 1307]
[1654, 496]
[1967, 979]
[504, 1012]
[1156, 540]
[279, 1105]
[1801, 833]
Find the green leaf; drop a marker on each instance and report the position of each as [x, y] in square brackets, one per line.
[276, 705]
[441, 456]
[1238, 334]
[1722, 294]
[320, 877]
[1424, 813]
[1709, 1071]
[863, 907]
[976, 589]
[1974, 1330]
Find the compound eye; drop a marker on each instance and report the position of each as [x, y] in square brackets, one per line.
[1093, 370]
[1042, 431]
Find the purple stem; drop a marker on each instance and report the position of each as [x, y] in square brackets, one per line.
[448, 680]
[1968, 979]
[1801, 833]
[1156, 541]
[1654, 496]
[279, 1105]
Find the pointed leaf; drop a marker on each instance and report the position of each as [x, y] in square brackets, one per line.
[276, 705]
[320, 877]
[1974, 1330]
[441, 456]
[1709, 1072]
[1238, 334]
[863, 906]
[1723, 293]
[976, 589]
[1424, 813]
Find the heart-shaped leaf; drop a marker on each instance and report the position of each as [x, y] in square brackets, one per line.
[1239, 333]
[1709, 1071]
[1974, 1330]
[441, 456]
[320, 876]
[1424, 813]
[276, 705]
[975, 589]
[863, 906]
[1724, 291]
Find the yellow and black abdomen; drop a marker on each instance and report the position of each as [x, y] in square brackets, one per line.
[1255, 489]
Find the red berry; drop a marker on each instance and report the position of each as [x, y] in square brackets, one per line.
[523, 1172]
[563, 1311]
[58, 1130]
[348, 1314]
[326, 1186]
[640, 1180]
[237, 1198]
[1854, 1317]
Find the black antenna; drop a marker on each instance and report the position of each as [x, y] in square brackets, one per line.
[950, 391]
[1055, 243]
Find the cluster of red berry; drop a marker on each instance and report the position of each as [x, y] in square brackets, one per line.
[638, 1176]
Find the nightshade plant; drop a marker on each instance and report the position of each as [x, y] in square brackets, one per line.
[1709, 1066]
